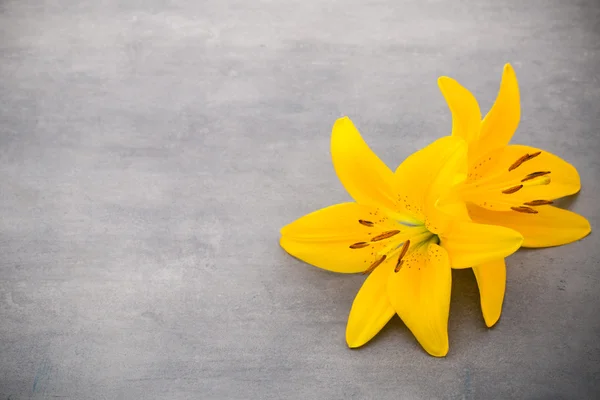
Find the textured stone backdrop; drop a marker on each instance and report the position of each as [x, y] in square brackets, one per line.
[151, 150]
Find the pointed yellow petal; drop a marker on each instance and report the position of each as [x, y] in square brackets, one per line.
[551, 226]
[499, 125]
[514, 166]
[366, 178]
[491, 279]
[469, 244]
[371, 309]
[426, 174]
[442, 202]
[324, 238]
[466, 116]
[420, 294]
[443, 216]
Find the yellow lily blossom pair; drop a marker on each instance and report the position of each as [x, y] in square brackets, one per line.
[465, 201]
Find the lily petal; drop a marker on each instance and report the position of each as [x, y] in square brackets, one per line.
[371, 309]
[420, 294]
[551, 226]
[500, 124]
[466, 115]
[366, 178]
[442, 203]
[470, 244]
[323, 238]
[426, 174]
[491, 279]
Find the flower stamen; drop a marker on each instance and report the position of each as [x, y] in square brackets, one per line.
[512, 189]
[359, 245]
[538, 202]
[534, 175]
[375, 265]
[402, 254]
[521, 160]
[384, 235]
[526, 210]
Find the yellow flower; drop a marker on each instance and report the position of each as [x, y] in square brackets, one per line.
[395, 231]
[509, 185]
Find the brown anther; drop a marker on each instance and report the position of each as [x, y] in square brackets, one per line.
[512, 189]
[366, 223]
[401, 256]
[359, 245]
[539, 202]
[375, 265]
[384, 235]
[534, 175]
[399, 266]
[526, 210]
[521, 160]
[518, 162]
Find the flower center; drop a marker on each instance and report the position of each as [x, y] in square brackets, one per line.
[533, 179]
[395, 243]
[514, 184]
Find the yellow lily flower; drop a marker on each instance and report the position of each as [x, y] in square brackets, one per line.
[509, 185]
[395, 232]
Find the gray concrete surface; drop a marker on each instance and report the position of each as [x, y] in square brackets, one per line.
[151, 150]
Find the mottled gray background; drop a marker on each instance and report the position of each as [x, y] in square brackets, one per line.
[151, 150]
